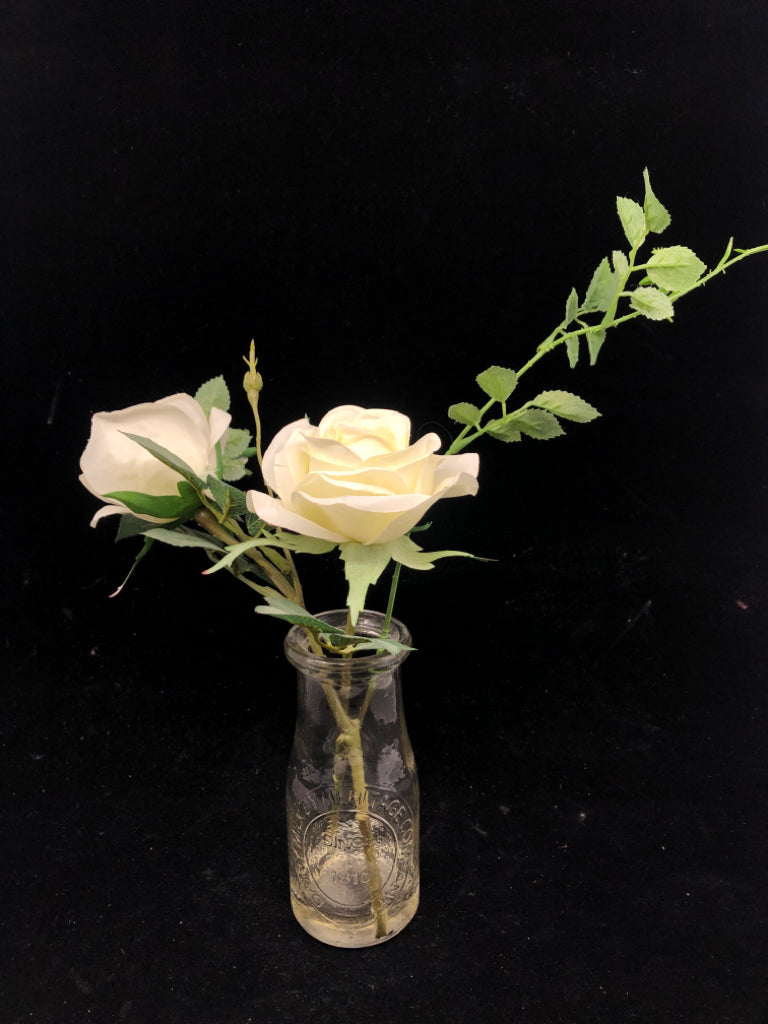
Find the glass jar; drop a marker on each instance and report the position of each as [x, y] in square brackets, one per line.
[352, 795]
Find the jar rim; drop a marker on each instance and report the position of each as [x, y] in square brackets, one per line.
[369, 623]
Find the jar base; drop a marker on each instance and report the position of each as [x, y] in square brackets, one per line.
[346, 935]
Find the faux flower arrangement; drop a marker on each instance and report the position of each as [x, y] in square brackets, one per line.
[173, 470]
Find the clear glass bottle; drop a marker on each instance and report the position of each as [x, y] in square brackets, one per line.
[352, 795]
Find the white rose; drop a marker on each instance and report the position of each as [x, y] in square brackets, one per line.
[113, 462]
[356, 476]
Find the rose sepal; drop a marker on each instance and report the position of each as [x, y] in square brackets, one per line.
[168, 507]
[364, 564]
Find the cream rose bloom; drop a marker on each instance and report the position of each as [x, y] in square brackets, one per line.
[357, 477]
[113, 462]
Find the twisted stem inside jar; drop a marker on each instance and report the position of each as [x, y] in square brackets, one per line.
[349, 751]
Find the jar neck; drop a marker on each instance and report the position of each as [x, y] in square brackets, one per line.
[356, 669]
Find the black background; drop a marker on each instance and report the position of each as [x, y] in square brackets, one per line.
[388, 198]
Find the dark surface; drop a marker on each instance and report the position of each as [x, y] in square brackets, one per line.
[389, 198]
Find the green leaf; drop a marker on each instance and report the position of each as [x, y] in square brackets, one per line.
[220, 494]
[675, 268]
[656, 216]
[131, 526]
[571, 307]
[363, 564]
[726, 254]
[253, 524]
[595, 341]
[167, 458]
[234, 469]
[214, 393]
[572, 351]
[144, 551]
[183, 538]
[503, 429]
[237, 442]
[537, 423]
[235, 454]
[281, 608]
[652, 303]
[566, 405]
[465, 412]
[164, 506]
[497, 382]
[620, 265]
[602, 288]
[231, 500]
[632, 220]
[373, 644]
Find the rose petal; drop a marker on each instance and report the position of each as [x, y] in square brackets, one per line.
[420, 449]
[108, 510]
[352, 424]
[219, 422]
[271, 467]
[275, 513]
[462, 471]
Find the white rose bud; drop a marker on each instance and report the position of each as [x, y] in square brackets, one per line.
[356, 476]
[113, 462]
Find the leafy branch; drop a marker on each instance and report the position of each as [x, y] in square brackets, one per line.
[664, 278]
